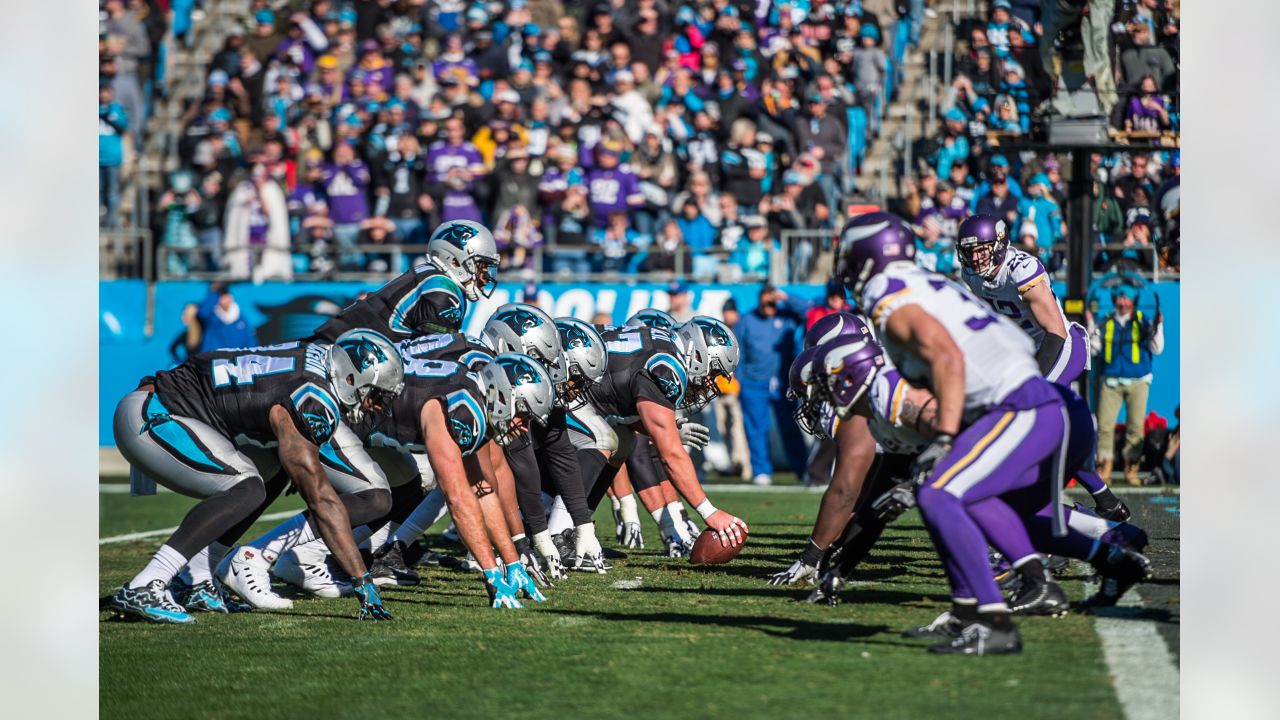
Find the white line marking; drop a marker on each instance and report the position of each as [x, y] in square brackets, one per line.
[169, 531]
[1144, 676]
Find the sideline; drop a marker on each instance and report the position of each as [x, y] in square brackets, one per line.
[1143, 675]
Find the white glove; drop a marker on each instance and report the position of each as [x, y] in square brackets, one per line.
[799, 572]
[587, 548]
[693, 435]
[552, 567]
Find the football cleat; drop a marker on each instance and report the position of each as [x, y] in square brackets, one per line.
[1115, 513]
[564, 543]
[828, 591]
[451, 534]
[309, 571]
[979, 638]
[203, 596]
[1120, 570]
[675, 547]
[152, 603]
[1040, 598]
[589, 562]
[245, 571]
[945, 625]
[389, 567]
[469, 563]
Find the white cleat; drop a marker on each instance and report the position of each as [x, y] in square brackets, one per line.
[310, 574]
[469, 563]
[249, 574]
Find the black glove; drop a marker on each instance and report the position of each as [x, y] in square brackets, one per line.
[899, 499]
[923, 466]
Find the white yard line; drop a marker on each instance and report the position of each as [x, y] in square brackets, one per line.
[1143, 674]
[169, 531]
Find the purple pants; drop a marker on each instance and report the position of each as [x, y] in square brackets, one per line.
[999, 454]
[1073, 360]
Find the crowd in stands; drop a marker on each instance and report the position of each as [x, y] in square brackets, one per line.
[637, 137]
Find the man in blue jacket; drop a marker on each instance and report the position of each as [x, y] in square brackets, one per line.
[224, 325]
[1125, 341]
[769, 339]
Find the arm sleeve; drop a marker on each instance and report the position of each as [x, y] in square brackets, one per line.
[1050, 349]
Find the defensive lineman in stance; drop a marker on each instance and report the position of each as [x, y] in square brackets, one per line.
[981, 368]
[179, 428]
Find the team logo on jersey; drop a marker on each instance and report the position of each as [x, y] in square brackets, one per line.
[461, 433]
[457, 235]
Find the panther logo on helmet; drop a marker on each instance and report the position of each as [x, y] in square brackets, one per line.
[363, 353]
[457, 235]
[519, 319]
[520, 372]
[715, 334]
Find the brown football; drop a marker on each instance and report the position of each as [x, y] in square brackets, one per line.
[707, 549]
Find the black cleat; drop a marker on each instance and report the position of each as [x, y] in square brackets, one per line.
[979, 638]
[389, 567]
[1040, 598]
[827, 591]
[1120, 570]
[946, 626]
[611, 554]
[1056, 563]
[564, 544]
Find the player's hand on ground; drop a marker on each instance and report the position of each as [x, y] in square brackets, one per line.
[693, 435]
[533, 564]
[501, 593]
[631, 536]
[828, 591]
[371, 607]
[518, 578]
[897, 500]
[924, 464]
[732, 530]
[799, 572]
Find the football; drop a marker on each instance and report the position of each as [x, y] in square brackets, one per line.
[707, 549]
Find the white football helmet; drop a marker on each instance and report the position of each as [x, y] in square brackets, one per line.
[524, 328]
[365, 371]
[517, 392]
[467, 252]
[710, 351]
[584, 354]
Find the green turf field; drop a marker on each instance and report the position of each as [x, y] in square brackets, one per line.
[677, 642]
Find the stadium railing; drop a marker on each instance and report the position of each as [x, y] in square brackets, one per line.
[124, 254]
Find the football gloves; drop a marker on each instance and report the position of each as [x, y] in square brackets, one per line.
[936, 450]
[693, 435]
[371, 607]
[501, 592]
[828, 591]
[799, 572]
[631, 536]
[552, 567]
[518, 578]
[899, 499]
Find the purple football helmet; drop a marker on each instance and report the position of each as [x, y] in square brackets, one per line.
[983, 242]
[849, 365]
[804, 384]
[868, 244]
[836, 325]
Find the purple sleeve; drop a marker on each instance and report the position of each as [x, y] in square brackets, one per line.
[359, 173]
[632, 194]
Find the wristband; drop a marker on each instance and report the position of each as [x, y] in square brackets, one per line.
[812, 554]
[705, 508]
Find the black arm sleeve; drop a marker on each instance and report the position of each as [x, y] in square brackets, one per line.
[558, 460]
[524, 465]
[1050, 349]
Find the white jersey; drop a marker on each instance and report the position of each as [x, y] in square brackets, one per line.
[886, 397]
[1018, 273]
[998, 356]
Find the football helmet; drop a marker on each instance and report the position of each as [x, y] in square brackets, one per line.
[848, 366]
[652, 317]
[585, 357]
[869, 243]
[524, 328]
[365, 371]
[710, 352]
[813, 413]
[466, 251]
[517, 391]
[836, 325]
[982, 245]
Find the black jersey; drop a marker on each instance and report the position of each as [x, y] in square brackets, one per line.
[454, 347]
[426, 378]
[422, 301]
[644, 364]
[234, 389]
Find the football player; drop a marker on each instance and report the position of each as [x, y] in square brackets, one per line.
[981, 368]
[1016, 285]
[179, 428]
[649, 377]
[547, 450]
[448, 414]
[430, 298]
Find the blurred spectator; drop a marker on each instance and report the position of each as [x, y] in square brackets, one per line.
[833, 302]
[1041, 211]
[130, 45]
[221, 321]
[768, 337]
[1108, 218]
[681, 302]
[401, 195]
[825, 137]
[617, 243]
[454, 165]
[655, 167]
[179, 205]
[207, 220]
[113, 121]
[344, 181]
[612, 189]
[1095, 29]
[752, 255]
[1137, 177]
[1140, 59]
[1146, 111]
[997, 173]
[934, 251]
[870, 67]
[256, 229]
[728, 406]
[1125, 343]
[1000, 201]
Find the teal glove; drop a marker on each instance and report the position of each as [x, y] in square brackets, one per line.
[501, 593]
[370, 602]
[518, 578]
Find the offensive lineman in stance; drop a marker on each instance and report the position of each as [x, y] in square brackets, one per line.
[179, 426]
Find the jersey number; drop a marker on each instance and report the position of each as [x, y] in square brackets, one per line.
[423, 368]
[625, 343]
[976, 322]
[243, 369]
[1010, 310]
